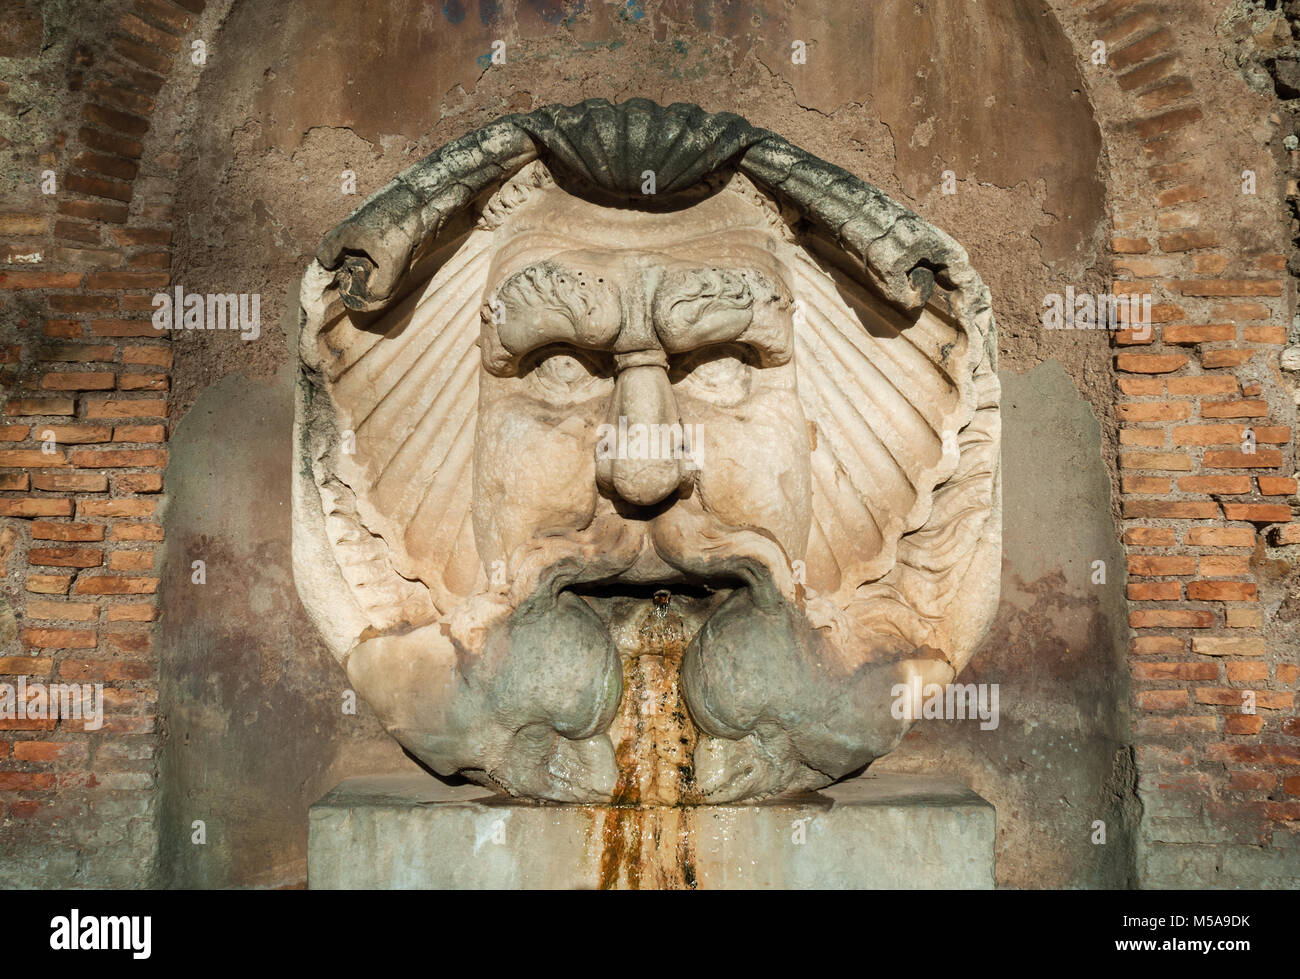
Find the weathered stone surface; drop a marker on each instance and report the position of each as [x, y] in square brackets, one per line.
[21, 29]
[812, 506]
[896, 831]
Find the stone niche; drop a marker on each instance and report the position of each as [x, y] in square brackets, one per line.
[645, 462]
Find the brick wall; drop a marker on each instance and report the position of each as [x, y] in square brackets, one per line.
[1206, 525]
[1206, 466]
[83, 450]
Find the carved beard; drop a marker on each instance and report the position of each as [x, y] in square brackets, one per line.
[774, 703]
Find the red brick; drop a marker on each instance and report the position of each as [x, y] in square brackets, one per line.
[79, 434]
[48, 530]
[1277, 485]
[143, 55]
[1222, 591]
[1224, 565]
[1170, 619]
[131, 561]
[118, 458]
[10, 279]
[60, 611]
[1162, 510]
[1150, 363]
[1186, 193]
[105, 670]
[1214, 484]
[138, 482]
[123, 122]
[1168, 461]
[1221, 536]
[137, 532]
[1259, 459]
[1176, 671]
[149, 34]
[49, 584]
[94, 210]
[1156, 565]
[1228, 287]
[1158, 646]
[1250, 672]
[1130, 246]
[1207, 435]
[1258, 512]
[1149, 536]
[1254, 754]
[32, 459]
[78, 381]
[66, 557]
[26, 665]
[1210, 333]
[116, 508]
[139, 433]
[122, 328]
[25, 781]
[98, 187]
[1146, 485]
[1140, 387]
[1202, 384]
[113, 585]
[1163, 726]
[132, 613]
[22, 225]
[1211, 359]
[79, 353]
[60, 638]
[1228, 646]
[128, 280]
[1162, 699]
[35, 508]
[1155, 411]
[124, 408]
[1234, 409]
[1249, 781]
[1154, 591]
[1141, 50]
[143, 382]
[1264, 334]
[48, 751]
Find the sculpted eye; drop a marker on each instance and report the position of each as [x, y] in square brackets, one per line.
[566, 374]
[721, 374]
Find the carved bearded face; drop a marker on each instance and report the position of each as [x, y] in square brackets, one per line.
[636, 364]
[645, 503]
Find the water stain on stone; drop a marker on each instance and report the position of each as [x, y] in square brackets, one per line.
[647, 835]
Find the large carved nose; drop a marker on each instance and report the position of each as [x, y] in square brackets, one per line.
[640, 470]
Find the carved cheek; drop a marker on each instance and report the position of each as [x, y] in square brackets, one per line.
[755, 467]
[534, 471]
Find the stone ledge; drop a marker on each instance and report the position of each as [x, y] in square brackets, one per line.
[887, 831]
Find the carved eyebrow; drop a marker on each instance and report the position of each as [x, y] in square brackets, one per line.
[544, 303]
[699, 307]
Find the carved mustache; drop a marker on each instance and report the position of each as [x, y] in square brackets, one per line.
[684, 537]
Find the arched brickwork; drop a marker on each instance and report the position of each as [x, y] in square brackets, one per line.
[1204, 524]
[1206, 464]
[88, 379]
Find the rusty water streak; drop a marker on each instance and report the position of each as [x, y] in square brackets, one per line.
[648, 834]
